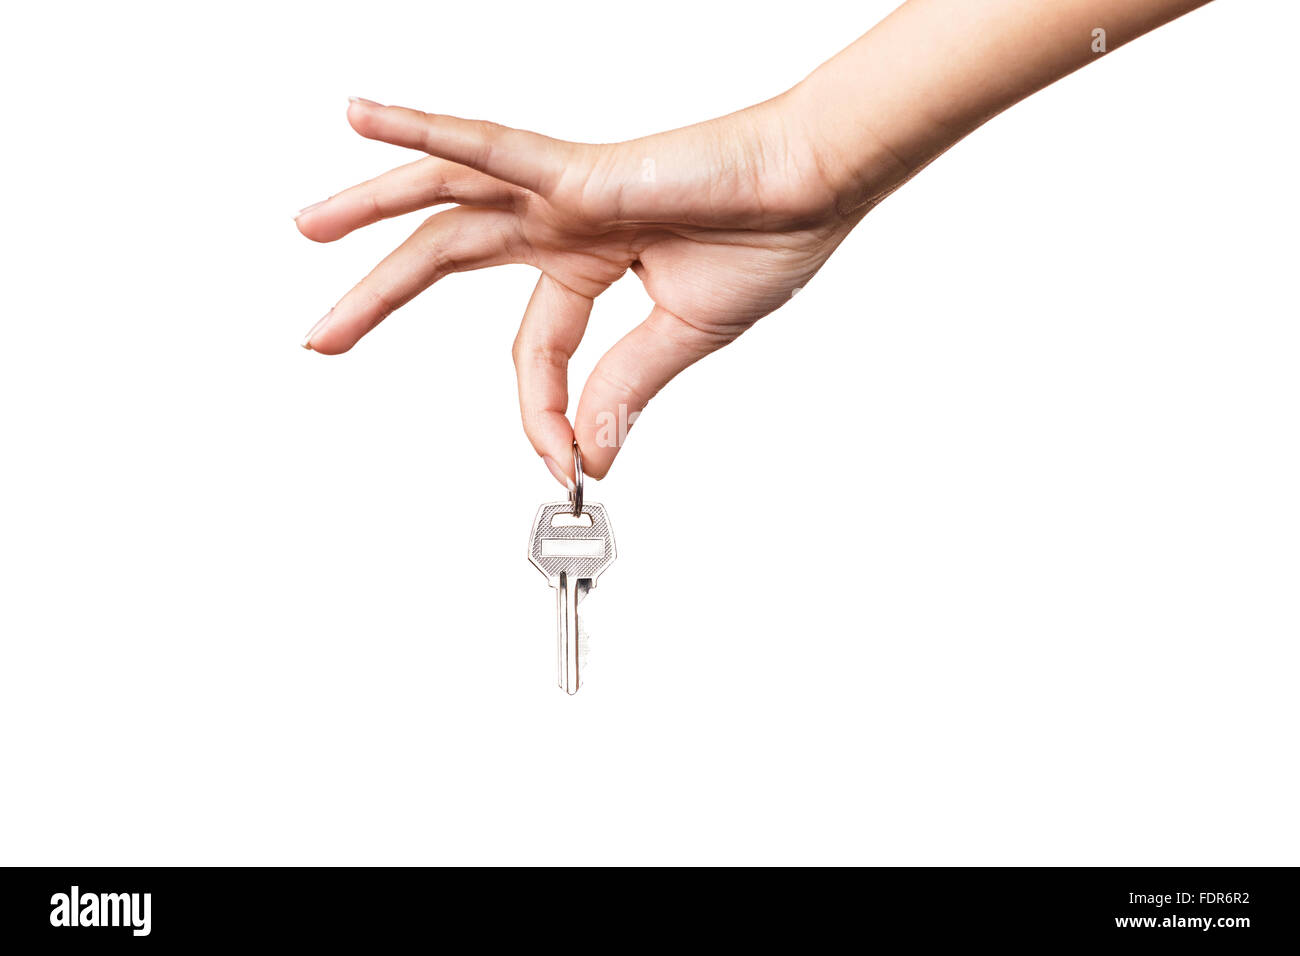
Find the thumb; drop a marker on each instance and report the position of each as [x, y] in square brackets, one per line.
[629, 375]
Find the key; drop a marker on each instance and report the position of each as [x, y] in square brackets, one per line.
[572, 543]
[572, 551]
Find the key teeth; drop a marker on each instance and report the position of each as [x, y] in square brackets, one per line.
[584, 651]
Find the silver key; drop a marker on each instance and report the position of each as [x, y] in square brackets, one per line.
[573, 545]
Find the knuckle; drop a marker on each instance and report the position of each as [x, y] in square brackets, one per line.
[532, 418]
[438, 253]
[696, 338]
[383, 301]
[621, 386]
[533, 356]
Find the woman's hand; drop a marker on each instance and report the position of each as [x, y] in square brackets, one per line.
[722, 222]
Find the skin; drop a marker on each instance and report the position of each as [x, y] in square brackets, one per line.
[722, 221]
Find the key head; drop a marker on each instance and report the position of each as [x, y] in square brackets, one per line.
[580, 547]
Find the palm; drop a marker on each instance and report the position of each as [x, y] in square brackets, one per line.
[709, 250]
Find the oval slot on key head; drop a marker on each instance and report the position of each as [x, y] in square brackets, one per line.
[565, 520]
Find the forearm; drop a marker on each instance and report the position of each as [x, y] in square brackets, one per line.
[934, 70]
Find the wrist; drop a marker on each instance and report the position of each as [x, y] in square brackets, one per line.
[861, 154]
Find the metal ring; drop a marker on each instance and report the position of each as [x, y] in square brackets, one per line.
[575, 494]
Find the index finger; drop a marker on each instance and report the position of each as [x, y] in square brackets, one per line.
[553, 325]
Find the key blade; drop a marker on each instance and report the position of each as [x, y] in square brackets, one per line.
[568, 650]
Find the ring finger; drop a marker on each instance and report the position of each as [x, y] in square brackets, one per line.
[458, 240]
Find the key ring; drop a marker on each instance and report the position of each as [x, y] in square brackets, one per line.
[575, 493]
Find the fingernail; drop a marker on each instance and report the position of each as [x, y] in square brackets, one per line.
[306, 343]
[362, 101]
[306, 209]
[560, 476]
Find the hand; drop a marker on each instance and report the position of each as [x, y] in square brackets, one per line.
[721, 222]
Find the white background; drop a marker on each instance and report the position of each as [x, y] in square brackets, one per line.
[983, 550]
